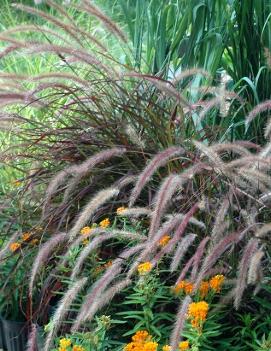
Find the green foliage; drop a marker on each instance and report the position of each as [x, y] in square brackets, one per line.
[148, 306]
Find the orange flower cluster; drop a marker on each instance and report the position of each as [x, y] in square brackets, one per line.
[66, 345]
[26, 237]
[204, 289]
[105, 223]
[141, 341]
[197, 312]
[120, 210]
[85, 231]
[14, 246]
[183, 286]
[184, 345]
[164, 240]
[144, 268]
[216, 282]
[101, 268]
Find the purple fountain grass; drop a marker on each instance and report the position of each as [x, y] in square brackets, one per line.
[34, 28]
[43, 255]
[176, 237]
[220, 224]
[81, 170]
[153, 243]
[198, 256]
[170, 185]
[181, 250]
[255, 267]
[81, 55]
[111, 26]
[216, 252]
[190, 72]
[62, 310]
[194, 260]
[101, 284]
[242, 274]
[211, 155]
[179, 324]
[96, 242]
[91, 207]
[263, 106]
[231, 147]
[60, 75]
[66, 27]
[97, 288]
[192, 220]
[265, 229]
[136, 212]
[106, 297]
[165, 86]
[32, 343]
[158, 161]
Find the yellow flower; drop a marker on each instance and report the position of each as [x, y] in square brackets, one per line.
[62, 349]
[85, 242]
[216, 282]
[203, 289]
[133, 346]
[26, 236]
[183, 286]
[166, 348]
[105, 223]
[85, 231]
[184, 345]
[78, 348]
[34, 241]
[64, 343]
[120, 210]
[150, 346]
[197, 311]
[140, 336]
[144, 268]
[14, 246]
[164, 240]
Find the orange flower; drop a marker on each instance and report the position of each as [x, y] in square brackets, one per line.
[184, 345]
[203, 289]
[34, 241]
[85, 242]
[64, 342]
[166, 348]
[85, 231]
[164, 240]
[120, 210]
[144, 268]
[140, 336]
[26, 236]
[105, 223]
[78, 348]
[216, 282]
[108, 264]
[62, 349]
[14, 246]
[197, 311]
[150, 346]
[184, 286]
